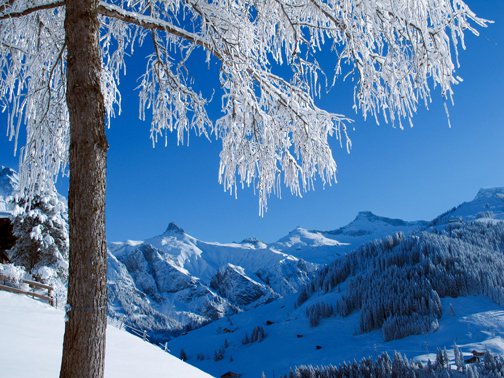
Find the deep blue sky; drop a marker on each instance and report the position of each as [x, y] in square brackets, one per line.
[411, 174]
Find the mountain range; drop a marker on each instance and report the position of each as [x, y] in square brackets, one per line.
[415, 292]
[249, 299]
[180, 282]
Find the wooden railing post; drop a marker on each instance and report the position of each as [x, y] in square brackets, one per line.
[33, 284]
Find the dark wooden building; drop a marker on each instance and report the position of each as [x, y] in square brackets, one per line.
[6, 238]
[230, 374]
[472, 360]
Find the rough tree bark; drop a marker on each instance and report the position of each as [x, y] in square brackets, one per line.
[84, 341]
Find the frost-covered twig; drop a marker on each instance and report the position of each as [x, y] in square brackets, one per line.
[272, 130]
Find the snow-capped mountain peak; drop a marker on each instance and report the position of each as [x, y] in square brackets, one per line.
[322, 247]
[8, 180]
[368, 222]
[366, 214]
[490, 193]
[254, 242]
[181, 281]
[301, 237]
[173, 228]
[488, 204]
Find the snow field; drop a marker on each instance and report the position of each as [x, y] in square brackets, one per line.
[31, 339]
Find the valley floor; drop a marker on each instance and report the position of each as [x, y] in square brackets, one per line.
[474, 323]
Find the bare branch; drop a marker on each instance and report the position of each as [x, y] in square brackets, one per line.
[27, 11]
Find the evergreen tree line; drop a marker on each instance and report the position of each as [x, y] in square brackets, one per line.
[397, 282]
[319, 311]
[399, 366]
[257, 335]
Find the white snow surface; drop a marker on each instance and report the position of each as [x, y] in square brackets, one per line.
[477, 323]
[32, 338]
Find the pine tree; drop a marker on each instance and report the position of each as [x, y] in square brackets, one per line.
[41, 232]
[472, 372]
[441, 360]
[183, 355]
[459, 360]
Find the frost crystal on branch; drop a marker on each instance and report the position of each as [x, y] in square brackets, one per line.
[33, 88]
[272, 131]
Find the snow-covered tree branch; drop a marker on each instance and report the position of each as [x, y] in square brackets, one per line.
[397, 53]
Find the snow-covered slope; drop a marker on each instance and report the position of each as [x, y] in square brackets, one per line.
[8, 183]
[323, 247]
[477, 324]
[488, 204]
[424, 291]
[154, 294]
[233, 283]
[32, 338]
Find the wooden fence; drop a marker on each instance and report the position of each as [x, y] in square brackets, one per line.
[34, 285]
[51, 299]
[142, 334]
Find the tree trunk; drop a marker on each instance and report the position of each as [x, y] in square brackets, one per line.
[84, 342]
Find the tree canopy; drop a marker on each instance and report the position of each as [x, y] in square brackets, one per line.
[272, 130]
